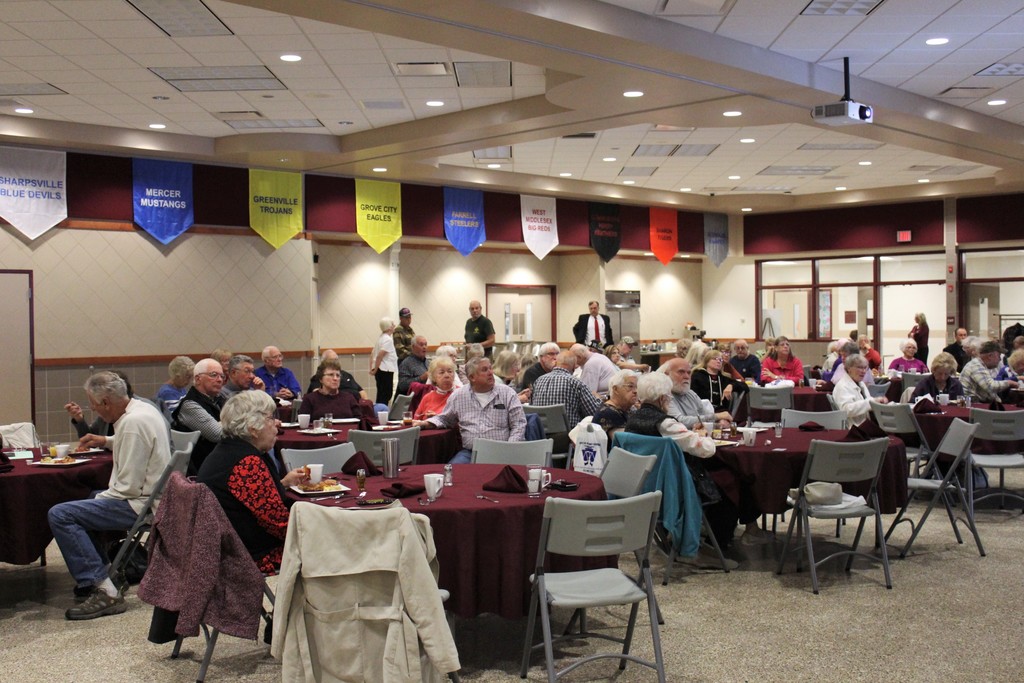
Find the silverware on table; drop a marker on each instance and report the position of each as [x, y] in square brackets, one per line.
[483, 497]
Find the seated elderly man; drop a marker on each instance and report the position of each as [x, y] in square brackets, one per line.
[956, 349]
[559, 386]
[141, 452]
[851, 393]
[686, 406]
[744, 361]
[548, 354]
[595, 368]
[414, 367]
[241, 376]
[481, 410]
[199, 411]
[278, 381]
[348, 381]
[625, 362]
[979, 374]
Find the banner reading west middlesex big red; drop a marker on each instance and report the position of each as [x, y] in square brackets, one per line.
[275, 205]
[32, 194]
[540, 224]
[378, 213]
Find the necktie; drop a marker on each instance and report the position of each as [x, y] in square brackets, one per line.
[597, 331]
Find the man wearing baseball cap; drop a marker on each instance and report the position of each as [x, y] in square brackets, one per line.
[625, 347]
[403, 334]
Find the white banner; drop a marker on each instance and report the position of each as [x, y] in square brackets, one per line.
[540, 224]
[32, 194]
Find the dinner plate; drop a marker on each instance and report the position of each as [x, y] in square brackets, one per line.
[345, 420]
[90, 451]
[388, 428]
[394, 422]
[721, 443]
[289, 425]
[340, 488]
[78, 461]
[319, 432]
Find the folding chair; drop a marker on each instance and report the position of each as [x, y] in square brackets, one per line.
[832, 402]
[486, 451]
[770, 398]
[839, 462]
[911, 379]
[624, 473]
[829, 419]
[898, 419]
[401, 404]
[956, 443]
[179, 439]
[371, 444]
[552, 417]
[594, 528]
[876, 390]
[19, 435]
[996, 425]
[331, 457]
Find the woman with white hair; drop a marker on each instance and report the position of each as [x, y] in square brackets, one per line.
[908, 362]
[442, 384]
[244, 477]
[654, 391]
[450, 352]
[622, 401]
[851, 393]
[384, 361]
[179, 372]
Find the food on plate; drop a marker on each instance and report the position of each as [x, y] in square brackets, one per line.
[322, 485]
[58, 461]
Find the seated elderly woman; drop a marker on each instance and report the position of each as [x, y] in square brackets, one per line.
[442, 383]
[851, 394]
[452, 353]
[907, 362]
[710, 382]
[941, 381]
[179, 371]
[506, 368]
[781, 363]
[622, 401]
[329, 398]
[245, 478]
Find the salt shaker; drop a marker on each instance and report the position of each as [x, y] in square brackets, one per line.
[449, 478]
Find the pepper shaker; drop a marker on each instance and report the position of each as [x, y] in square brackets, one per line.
[449, 478]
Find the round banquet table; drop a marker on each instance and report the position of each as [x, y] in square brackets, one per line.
[769, 474]
[486, 551]
[934, 426]
[29, 491]
[812, 400]
[436, 446]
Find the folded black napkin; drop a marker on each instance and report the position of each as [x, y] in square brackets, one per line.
[811, 427]
[926, 406]
[507, 481]
[359, 461]
[400, 490]
[825, 387]
[865, 431]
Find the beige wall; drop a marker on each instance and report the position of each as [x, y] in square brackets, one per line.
[669, 295]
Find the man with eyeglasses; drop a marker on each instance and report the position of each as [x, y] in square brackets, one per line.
[979, 374]
[241, 376]
[548, 355]
[199, 411]
[279, 381]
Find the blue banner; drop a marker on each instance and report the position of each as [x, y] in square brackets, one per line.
[716, 237]
[162, 197]
[464, 219]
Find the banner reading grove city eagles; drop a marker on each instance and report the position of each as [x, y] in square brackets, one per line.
[605, 229]
[162, 197]
[464, 219]
[540, 224]
[275, 205]
[378, 213]
[664, 234]
[32, 194]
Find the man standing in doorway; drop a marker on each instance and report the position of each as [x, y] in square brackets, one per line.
[594, 329]
[479, 330]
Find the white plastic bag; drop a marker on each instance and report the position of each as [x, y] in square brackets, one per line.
[591, 449]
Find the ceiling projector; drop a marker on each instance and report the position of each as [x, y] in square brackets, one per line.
[842, 113]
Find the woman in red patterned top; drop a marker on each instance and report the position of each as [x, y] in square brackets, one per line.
[246, 479]
[442, 378]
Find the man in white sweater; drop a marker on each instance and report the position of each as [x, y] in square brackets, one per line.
[141, 452]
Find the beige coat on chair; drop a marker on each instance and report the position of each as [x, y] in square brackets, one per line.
[357, 598]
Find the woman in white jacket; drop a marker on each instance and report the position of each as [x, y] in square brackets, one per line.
[851, 393]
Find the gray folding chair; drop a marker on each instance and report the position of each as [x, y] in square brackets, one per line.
[911, 379]
[876, 390]
[486, 451]
[552, 417]
[179, 440]
[956, 444]
[840, 462]
[898, 419]
[830, 419]
[770, 398]
[333, 458]
[832, 402]
[370, 443]
[399, 406]
[997, 425]
[624, 473]
[594, 528]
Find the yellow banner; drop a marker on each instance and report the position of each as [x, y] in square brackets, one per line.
[379, 213]
[275, 205]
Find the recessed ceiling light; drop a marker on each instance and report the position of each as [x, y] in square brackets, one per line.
[746, 208]
[840, 188]
[493, 165]
[936, 41]
[923, 180]
[732, 113]
[648, 253]
[157, 126]
[747, 141]
[995, 103]
[686, 189]
[283, 159]
[633, 93]
[435, 103]
[734, 177]
[344, 123]
[684, 256]
[23, 110]
[863, 163]
[629, 182]
[291, 58]
[161, 98]
[609, 159]
[565, 175]
[379, 169]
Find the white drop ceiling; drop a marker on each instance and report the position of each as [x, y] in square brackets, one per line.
[522, 75]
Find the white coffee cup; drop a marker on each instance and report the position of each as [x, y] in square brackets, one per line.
[434, 484]
[943, 399]
[304, 421]
[63, 449]
[709, 427]
[382, 417]
[537, 478]
[316, 473]
[748, 437]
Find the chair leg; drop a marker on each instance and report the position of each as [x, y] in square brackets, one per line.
[805, 522]
[627, 641]
[654, 613]
[714, 544]
[211, 642]
[785, 545]
[969, 514]
[531, 623]
[885, 552]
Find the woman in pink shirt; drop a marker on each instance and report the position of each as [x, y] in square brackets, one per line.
[782, 364]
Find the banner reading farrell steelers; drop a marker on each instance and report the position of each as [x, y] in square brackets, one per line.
[32, 194]
[379, 213]
[275, 205]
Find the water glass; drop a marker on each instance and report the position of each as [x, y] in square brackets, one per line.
[778, 430]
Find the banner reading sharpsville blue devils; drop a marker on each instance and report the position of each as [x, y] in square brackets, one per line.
[162, 197]
[32, 194]
[464, 219]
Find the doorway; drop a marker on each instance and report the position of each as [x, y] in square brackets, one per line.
[521, 313]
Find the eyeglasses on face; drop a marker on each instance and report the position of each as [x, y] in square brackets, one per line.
[332, 374]
[213, 375]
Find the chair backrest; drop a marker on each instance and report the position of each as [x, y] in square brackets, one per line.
[370, 443]
[736, 405]
[832, 401]
[19, 435]
[998, 425]
[593, 528]
[771, 398]
[898, 418]
[178, 463]
[333, 458]
[845, 461]
[486, 451]
[401, 404]
[907, 394]
[876, 390]
[911, 379]
[180, 439]
[830, 419]
[956, 443]
[552, 417]
[624, 473]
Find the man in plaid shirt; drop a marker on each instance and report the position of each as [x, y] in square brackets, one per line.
[559, 386]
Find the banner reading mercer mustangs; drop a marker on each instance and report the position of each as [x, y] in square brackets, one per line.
[162, 197]
[605, 229]
[33, 198]
[464, 219]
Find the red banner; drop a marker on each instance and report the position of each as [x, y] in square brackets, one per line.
[664, 234]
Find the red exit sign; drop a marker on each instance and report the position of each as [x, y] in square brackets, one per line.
[902, 236]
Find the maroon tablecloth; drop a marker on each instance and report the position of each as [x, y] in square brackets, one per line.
[28, 492]
[436, 445]
[804, 398]
[486, 551]
[934, 426]
[769, 474]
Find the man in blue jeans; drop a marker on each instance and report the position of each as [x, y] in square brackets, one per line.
[141, 452]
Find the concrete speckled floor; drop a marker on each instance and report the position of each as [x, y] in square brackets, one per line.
[951, 616]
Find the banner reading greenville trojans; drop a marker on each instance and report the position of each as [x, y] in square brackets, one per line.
[162, 197]
[464, 219]
[275, 205]
[32, 194]
[540, 224]
[664, 234]
[379, 213]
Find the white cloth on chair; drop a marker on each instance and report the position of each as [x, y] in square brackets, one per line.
[19, 435]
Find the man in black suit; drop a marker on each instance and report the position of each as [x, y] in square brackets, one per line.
[593, 329]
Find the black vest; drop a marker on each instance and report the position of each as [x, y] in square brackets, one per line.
[204, 445]
[645, 420]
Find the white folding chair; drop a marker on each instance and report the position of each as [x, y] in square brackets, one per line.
[996, 425]
[399, 406]
[876, 390]
[333, 458]
[371, 444]
[19, 435]
[898, 419]
[486, 451]
[180, 440]
[624, 473]
[911, 379]
[770, 398]
[829, 419]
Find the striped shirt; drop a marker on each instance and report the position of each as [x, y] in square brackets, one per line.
[500, 417]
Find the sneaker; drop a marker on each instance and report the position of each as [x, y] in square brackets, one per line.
[756, 537]
[99, 604]
[83, 592]
[707, 558]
